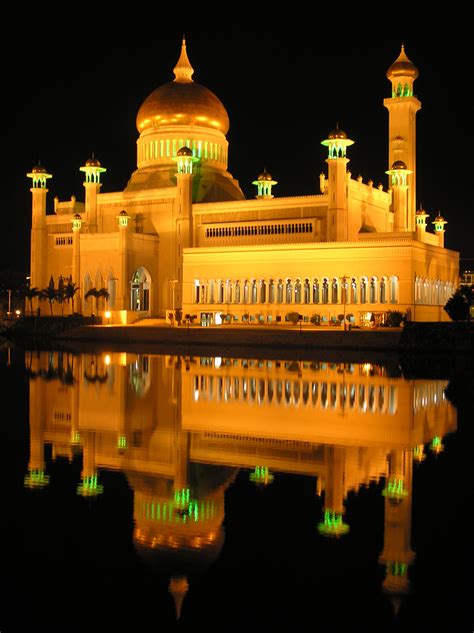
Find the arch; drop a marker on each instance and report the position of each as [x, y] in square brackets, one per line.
[288, 291]
[353, 292]
[335, 290]
[383, 289]
[197, 291]
[373, 289]
[262, 291]
[298, 297]
[280, 291]
[306, 291]
[140, 286]
[325, 290]
[345, 297]
[363, 289]
[111, 289]
[228, 291]
[220, 291]
[316, 297]
[237, 296]
[253, 291]
[271, 291]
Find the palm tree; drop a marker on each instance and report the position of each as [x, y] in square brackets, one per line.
[97, 294]
[49, 293]
[70, 291]
[61, 293]
[30, 294]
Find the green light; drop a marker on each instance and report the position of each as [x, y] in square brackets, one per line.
[75, 438]
[419, 452]
[436, 444]
[121, 442]
[89, 487]
[395, 489]
[36, 479]
[261, 475]
[333, 524]
[182, 508]
[396, 568]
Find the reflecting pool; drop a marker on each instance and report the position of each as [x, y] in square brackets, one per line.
[147, 492]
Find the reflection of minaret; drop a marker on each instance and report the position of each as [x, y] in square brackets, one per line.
[36, 477]
[397, 554]
[89, 486]
[333, 524]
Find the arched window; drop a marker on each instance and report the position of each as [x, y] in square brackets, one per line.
[253, 295]
[211, 291]
[315, 290]
[298, 291]
[363, 290]
[220, 291]
[280, 291]
[262, 291]
[271, 291]
[353, 290]
[306, 292]
[246, 291]
[373, 290]
[288, 291]
[237, 292]
[334, 290]
[112, 290]
[383, 290]
[325, 291]
[140, 290]
[228, 291]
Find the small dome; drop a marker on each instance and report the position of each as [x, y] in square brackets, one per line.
[265, 176]
[184, 151]
[399, 164]
[337, 133]
[76, 216]
[92, 162]
[39, 169]
[421, 211]
[402, 67]
[123, 213]
[439, 218]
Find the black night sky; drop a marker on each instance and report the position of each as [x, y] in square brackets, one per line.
[74, 81]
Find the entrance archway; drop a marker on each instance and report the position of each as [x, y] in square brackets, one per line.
[140, 286]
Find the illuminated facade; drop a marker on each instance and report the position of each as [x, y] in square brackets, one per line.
[182, 235]
[180, 429]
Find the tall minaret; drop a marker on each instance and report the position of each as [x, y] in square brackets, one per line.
[402, 108]
[92, 185]
[183, 216]
[337, 219]
[38, 272]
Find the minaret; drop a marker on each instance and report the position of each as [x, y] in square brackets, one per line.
[183, 209]
[402, 108]
[420, 220]
[38, 272]
[264, 185]
[92, 185]
[399, 187]
[439, 223]
[337, 220]
[121, 302]
[76, 255]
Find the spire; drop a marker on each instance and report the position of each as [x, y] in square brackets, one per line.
[178, 588]
[183, 71]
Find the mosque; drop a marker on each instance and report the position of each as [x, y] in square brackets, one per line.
[182, 235]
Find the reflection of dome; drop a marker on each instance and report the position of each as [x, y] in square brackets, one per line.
[184, 151]
[183, 102]
[402, 67]
[265, 176]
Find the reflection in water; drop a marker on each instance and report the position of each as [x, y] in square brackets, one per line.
[180, 429]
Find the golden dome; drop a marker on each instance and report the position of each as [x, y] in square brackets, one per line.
[402, 67]
[399, 164]
[337, 133]
[39, 169]
[265, 176]
[92, 162]
[182, 102]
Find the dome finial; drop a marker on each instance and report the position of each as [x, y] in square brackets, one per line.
[183, 71]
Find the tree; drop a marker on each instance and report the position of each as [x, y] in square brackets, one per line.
[30, 294]
[49, 294]
[70, 292]
[458, 307]
[97, 294]
[394, 318]
[293, 317]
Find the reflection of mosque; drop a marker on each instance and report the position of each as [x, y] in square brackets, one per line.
[180, 428]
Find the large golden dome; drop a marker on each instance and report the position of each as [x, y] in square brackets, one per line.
[402, 67]
[183, 102]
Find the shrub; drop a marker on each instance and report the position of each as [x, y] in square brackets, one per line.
[394, 318]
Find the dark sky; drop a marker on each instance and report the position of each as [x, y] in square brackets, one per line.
[74, 81]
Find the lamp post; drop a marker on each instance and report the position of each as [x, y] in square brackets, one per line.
[9, 302]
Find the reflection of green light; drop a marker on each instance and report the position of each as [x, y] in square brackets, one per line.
[36, 479]
[396, 568]
[419, 452]
[122, 441]
[395, 489]
[261, 475]
[89, 487]
[436, 444]
[180, 510]
[333, 525]
[75, 438]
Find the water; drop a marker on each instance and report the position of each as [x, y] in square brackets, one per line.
[146, 492]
